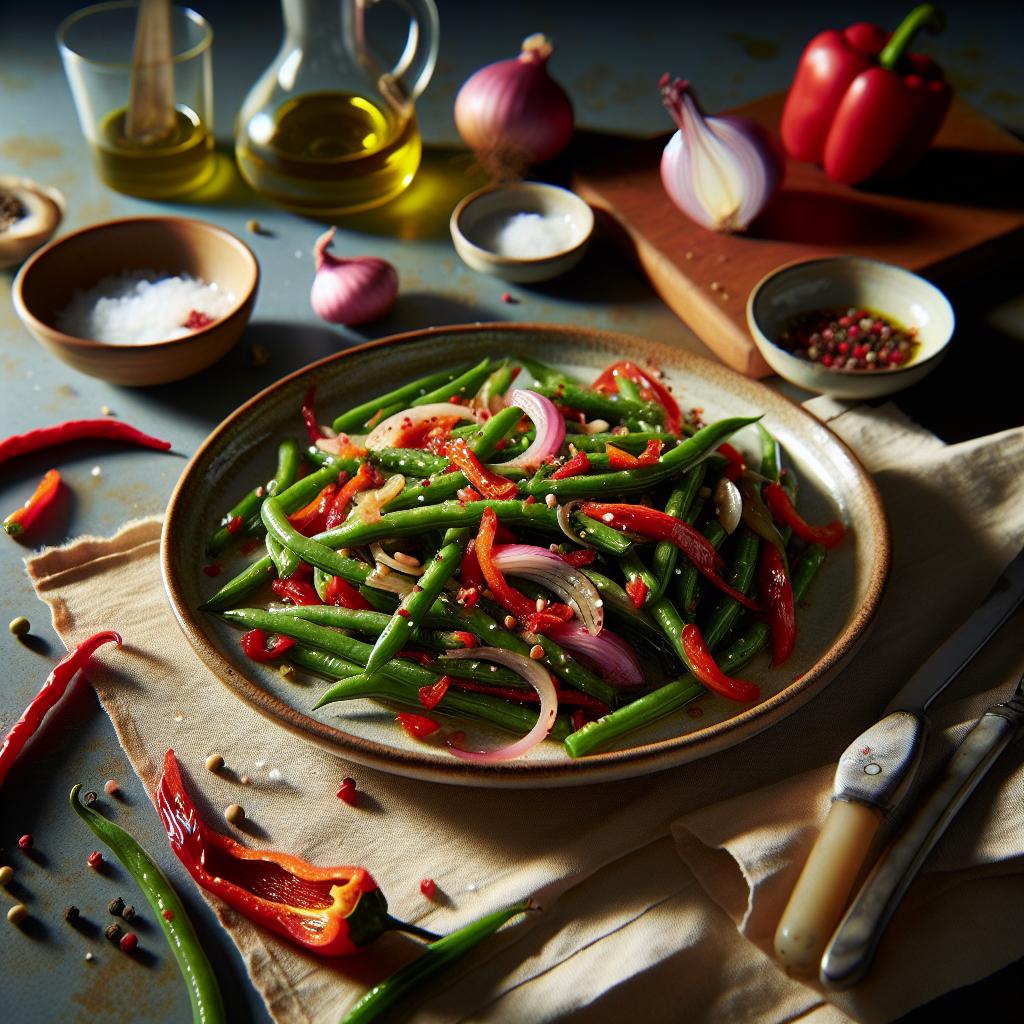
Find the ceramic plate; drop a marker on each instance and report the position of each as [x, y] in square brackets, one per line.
[242, 450]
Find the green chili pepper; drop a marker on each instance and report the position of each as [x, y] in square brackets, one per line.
[288, 459]
[435, 958]
[203, 992]
[355, 419]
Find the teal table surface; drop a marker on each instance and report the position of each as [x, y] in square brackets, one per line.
[609, 57]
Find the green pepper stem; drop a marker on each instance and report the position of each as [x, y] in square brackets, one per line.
[393, 924]
[923, 16]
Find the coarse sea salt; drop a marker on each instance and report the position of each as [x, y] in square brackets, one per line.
[137, 307]
[528, 236]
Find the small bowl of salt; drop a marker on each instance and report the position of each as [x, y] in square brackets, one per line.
[139, 301]
[523, 231]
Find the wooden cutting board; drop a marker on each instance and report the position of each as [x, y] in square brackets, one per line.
[961, 211]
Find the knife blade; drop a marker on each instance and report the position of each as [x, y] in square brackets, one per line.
[872, 777]
[850, 952]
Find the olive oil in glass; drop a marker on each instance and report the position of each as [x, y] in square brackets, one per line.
[176, 164]
[329, 152]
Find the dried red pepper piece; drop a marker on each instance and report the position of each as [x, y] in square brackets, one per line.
[416, 726]
[619, 458]
[313, 428]
[774, 586]
[637, 591]
[580, 558]
[706, 670]
[52, 690]
[736, 463]
[432, 695]
[343, 594]
[299, 592]
[42, 498]
[578, 465]
[310, 518]
[366, 476]
[650, 390]
[331, 911]
[782, 508]
[75, 430]
[488, 483]
[256, 644]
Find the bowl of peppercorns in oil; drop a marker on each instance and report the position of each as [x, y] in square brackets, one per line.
[848, 326]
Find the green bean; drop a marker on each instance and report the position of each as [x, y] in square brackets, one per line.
[684, 456]
[609, 407]
[771, 462]
[416, 603]
[464, 386]
[679, 504]
[634, 570]
[542, 373]
[303, 491]
[668, 698]
[500, 379]
[617, 602]
[409, 461]
[443, 488]
[285, 560]
[634, 442]
[288, 458]
[356, 418]
[168, 912]
[308, 549]
[372, 623]
[627, 388]
[687, 590]
[485, 440]
[436, 957]
[727, 609]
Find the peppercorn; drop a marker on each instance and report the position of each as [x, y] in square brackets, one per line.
[17, 913]
[428, 887]
[128, 942]
[234, 813]
[91, 797]
[71, 914]
[111, 788]
[214, 763]
[6, 874]
[95, 860]
[25, 842]
[347, 792]
[19, 626]
[113, 932]
[115, 906]
[128, 913]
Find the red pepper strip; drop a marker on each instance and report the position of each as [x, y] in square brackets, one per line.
[431, 434]
[736, 464]
[42, 498]
[578, 465]
[468, 596]
[656, 525]
[637, 591]
[420, 657]
[469, 571]
[707, 672]
[343, 594]
[775, 588]
[618, 458]
[506, 595]
[74, 430]
[416, 726]
[365, 478]
[566, 698]
[432, 695]
[552, 616]
[256, 645]
[310, 518]
[487, 482]
[331, 911]
[781, 507]
[52, 690]
[297, 591]
[585, 556]
[647, 383]
[313, 428]
[468, 640]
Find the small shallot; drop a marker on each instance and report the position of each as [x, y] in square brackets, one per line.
[728, 504]
[350, 292]
[720, 171]
[512, 113]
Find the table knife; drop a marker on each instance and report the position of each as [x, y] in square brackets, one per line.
[872, 777]
[851, 950]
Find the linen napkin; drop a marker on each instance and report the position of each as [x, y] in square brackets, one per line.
[628, 927]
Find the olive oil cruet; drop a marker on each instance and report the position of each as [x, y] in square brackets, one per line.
[328, 129]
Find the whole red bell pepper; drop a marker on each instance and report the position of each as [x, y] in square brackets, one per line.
[861, 105]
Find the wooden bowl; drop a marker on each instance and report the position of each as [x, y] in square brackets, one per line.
[173, 245]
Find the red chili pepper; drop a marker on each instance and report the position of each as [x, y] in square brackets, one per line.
[860, 104]
[554, 615]
[707, 672]
[775, 588]
[42, 498]
[299, 592]
[420, 657]
[196, 320]
[331, 911]
[736, 463]
[781, 507]
[469, 596]
[366, 477]
[53, 689]
[468, 640]
[649, 522]
[618, 458]
[506, 595]
[584, 556]
[74, 430]
[432, 695]
[309, 416]
[235, 523]
[566, 697]
[310, 518]
[431, 433]
[469, 571]
[578, 465]
[637, 591]
[488, 483]
[650, 390]
[416, 726]
[256, 644]
[343, 594]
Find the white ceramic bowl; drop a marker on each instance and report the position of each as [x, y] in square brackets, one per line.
[475, 221]
[837, 281]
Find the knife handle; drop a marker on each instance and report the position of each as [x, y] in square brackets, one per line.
[849, 954]
[821, 893]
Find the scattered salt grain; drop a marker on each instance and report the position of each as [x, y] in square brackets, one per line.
[527, 236]
[137, 307]
[260, 765]
[275, 775]
[95, 471]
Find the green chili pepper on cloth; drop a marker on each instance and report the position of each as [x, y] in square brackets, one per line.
[207, 1006]
[332, 911]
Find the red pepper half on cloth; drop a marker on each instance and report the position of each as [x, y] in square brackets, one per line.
[333, 911]
[861, 105]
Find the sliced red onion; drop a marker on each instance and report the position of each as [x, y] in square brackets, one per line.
[608, 655]
[728, 504]
[554, 572]
[563, 513]
[537, 676]
[383, 435]
[548, 421]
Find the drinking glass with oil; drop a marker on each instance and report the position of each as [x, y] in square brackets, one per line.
[328, 128]
[96, 45]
